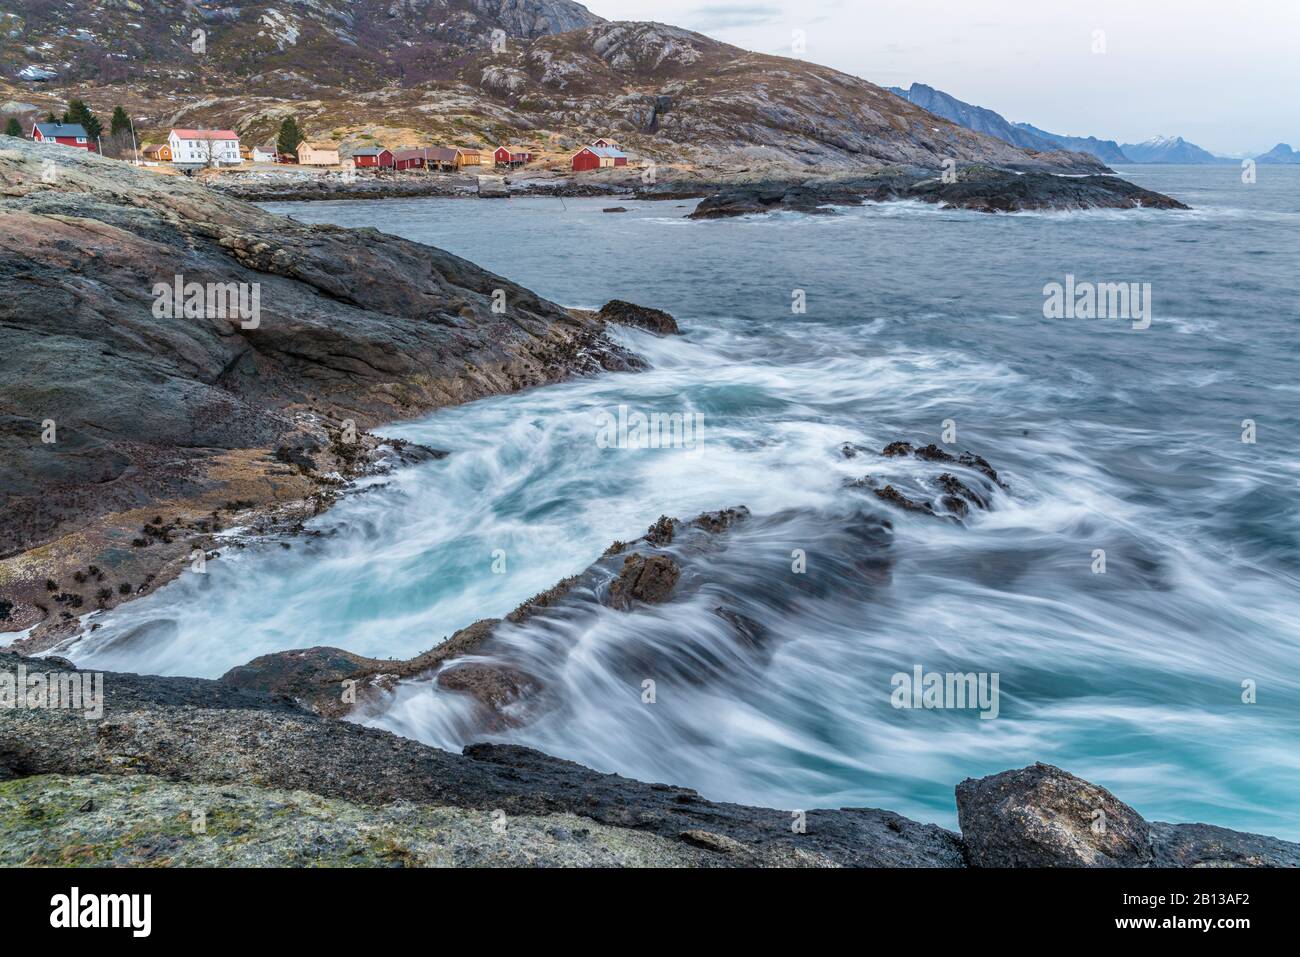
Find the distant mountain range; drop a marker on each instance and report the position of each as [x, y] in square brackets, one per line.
[1280, 154]
[1108, 151]
[1171, 149]
[1159, 149]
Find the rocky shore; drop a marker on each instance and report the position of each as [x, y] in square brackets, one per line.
[191, 771]
[260, 758]
[740, 191]
[980, 188]
[134, 433]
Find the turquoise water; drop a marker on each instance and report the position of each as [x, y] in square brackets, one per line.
[1108, 437]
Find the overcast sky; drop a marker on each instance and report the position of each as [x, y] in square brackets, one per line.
[1224, 74]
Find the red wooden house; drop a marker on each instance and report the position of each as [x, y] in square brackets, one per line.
[373, 157]
[511, 156]
[65, 134]
[597, 157]
[408, 159]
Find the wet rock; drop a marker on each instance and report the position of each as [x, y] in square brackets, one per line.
[1204, 845]
[648, 579]
[957, 495]
[932, 453]
[165, 743]
[642, 317]
[973, 461]
[721, 520]
[496, 686]
[543, 600]
[1041, 816]
[661, 532]
[894, 497]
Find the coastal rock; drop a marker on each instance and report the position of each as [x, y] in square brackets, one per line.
[164, 743]
[333, 682]
[894, 497]
[1041, 816]
[642, 317]
[202, 732]
[1204, 845]
[981, 188]
[492, 187]
[499, 688]
[353, 328]
[648, 579]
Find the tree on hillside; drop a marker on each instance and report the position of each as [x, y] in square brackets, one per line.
[120, 141]
[51, 118]
[120, 123]
[13, 127]
[79, 112]
[290, 136]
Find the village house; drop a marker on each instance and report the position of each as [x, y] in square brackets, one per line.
[204, 147]
[158, 153]
[605, 142]
[372, 157]
[452, 157]
[410, 158]
[598, 157]
[63, 134]
[512, 156]
[318, 154]
[260, 155]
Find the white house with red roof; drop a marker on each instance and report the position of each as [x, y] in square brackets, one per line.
[205, 147]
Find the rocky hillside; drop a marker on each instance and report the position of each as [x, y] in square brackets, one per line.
[160, 42]
[429, 70]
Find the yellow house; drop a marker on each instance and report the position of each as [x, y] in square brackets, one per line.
[318, 154]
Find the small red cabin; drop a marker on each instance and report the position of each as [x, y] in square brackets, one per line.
[511, 156]
[408, 159]
[65, 134]
[373, 158]
[597, 157]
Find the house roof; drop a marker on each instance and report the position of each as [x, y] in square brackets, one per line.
[206, 134]
[318, 145]
[443, 154]
[370, 151]
[61, 129]
[410, 153]
[607, 151]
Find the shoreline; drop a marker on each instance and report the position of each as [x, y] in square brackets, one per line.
[240, 756]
